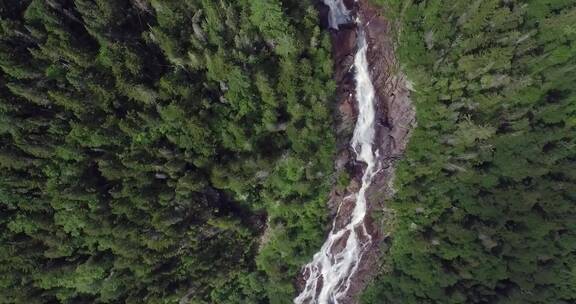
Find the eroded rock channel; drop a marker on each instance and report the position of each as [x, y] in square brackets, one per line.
[373, 99]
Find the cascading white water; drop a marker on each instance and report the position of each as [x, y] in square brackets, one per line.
[339, 14]
[331, 270]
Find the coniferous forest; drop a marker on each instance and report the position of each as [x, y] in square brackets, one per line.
[182, 151]
[486, 195]
[145, 146]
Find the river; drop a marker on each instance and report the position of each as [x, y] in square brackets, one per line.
[329, 275]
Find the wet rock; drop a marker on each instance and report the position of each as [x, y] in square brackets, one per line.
[344, 211]
[343, 49]
[395, 119]
[349, 4]
[354, 186]
[340, 244]
[342, 159]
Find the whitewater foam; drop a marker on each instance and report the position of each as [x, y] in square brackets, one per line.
[330, 272]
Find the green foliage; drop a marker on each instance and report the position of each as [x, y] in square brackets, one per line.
[144, 144]
[485, 201]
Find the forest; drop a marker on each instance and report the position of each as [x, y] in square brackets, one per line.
[182, 151]
[145, 146]
[486, 195]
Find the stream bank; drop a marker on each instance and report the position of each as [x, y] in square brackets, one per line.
[394, 118]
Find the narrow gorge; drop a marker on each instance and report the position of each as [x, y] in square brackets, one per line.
[256, 151]
[374, 94]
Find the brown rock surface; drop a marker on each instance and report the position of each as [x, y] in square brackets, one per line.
[395, 119]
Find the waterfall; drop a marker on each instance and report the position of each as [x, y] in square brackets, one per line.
[330, 272]
[339, 14]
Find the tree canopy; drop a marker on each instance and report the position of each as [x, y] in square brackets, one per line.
[146, 145]
[485, 206]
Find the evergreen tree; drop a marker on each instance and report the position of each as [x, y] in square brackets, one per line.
[485, 201]
[142, 142]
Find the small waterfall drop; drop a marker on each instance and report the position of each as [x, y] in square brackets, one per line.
[339, 14]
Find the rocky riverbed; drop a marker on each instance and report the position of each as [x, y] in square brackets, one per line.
[394, 119]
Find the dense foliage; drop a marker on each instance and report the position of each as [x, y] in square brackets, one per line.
[146, 145]
[486, 195]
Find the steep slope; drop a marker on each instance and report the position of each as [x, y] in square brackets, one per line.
[383, 120]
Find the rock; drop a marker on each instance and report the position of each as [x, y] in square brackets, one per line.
[342, 159]
[344, 210]
[354, 186]
[343, 49]
[395, 119]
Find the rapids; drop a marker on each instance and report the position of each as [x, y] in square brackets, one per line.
[329, 274]
[339, 14]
